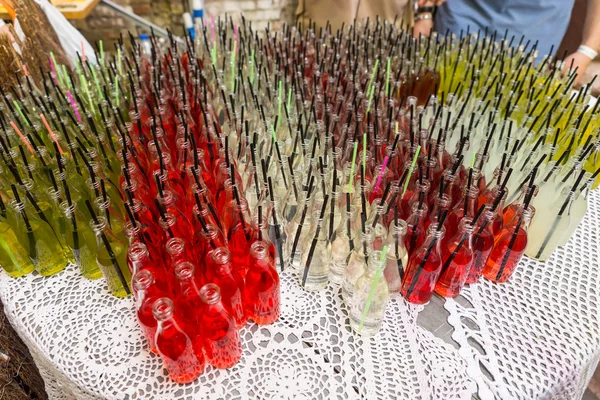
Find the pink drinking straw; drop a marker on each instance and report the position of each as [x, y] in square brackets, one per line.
[54, 74]
[82, 52]
[385, 161]
[74, 106]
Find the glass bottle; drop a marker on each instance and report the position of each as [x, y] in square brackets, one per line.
[357, 263]
[237, 220]
[297, 230]
[547, 230]
[115, 221]
[260, 232]
[396, 257]
[424, 267]
[175, 347]
[81, 240]
[415, 227]
[14, 258]
[222, 272]
[458, 211]
[455, 267]
[277, 230]
[146, 293]
[178, 252]
[45, 251]
[206, 241]
[509, 246]
[138, 259]
[111, 257]
[483, 242]
[187, 297]
[370, 298]
[315, 259]
[341, 245]
[221, 337]
[261, 290]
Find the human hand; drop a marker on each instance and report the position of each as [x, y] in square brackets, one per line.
[422, 27]
[580, 61]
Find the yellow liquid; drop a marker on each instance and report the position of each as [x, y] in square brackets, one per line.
[13, 256]
[58, 226]
[107, 266]
[48, 255]
[85, 252]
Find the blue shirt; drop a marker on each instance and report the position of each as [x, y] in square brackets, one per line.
[542, 20]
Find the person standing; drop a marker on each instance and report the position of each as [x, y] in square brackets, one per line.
[417, 13]
[545, 21]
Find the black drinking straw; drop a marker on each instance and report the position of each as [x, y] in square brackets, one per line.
[426, 256]
[460, 243]
[560, 213]
[109, 249]
[513, 238]
[163, 216]
[260, 237]
[302, 218]
[314, 242]
[30, 237]
[382, 203]
[290, 164]
[332, 205]
[276, 225]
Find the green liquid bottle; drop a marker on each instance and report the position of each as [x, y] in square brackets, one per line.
[44, 249]
[14, 258]
[81, 240]
[111, 257]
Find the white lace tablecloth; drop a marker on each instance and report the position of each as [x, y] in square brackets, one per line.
[536, 337]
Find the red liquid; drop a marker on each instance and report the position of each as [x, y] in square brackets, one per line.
[239, 248]
[221, 338]
[426, 279]
[261, 293]
[499, 255]
[179, 358]
[481, 250]
[232, 290]
[454, 277]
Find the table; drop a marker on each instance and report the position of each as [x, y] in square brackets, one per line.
[71, 9]
[536, 337]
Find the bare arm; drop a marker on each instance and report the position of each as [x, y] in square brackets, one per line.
[591, 38]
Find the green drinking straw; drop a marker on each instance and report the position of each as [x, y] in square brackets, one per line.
[84, 83]
[101, 52]
[213, 53]
[273, 133]
[473, 154]
[412, 167]
[373, 75]
[66, 75]
[370, 98]
[117, 90]
[352, 166]
[372, 290]
[233, 65]
[20, 112]
[279, 101]
[387, 77]
[57, 68]
[96, 81]
[289, 100]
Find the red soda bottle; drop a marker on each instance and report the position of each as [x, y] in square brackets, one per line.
[457, 260]
[509, 247]
[146, 292]
[261, 291]
[221, 337]
[175, 347]
[221, 272]
[424, 267]
[138, 259]
[483, 241]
